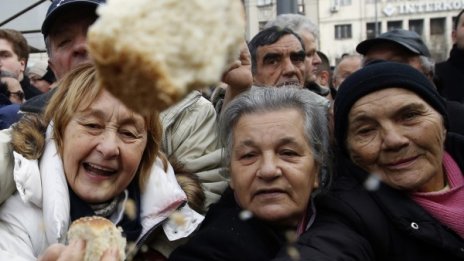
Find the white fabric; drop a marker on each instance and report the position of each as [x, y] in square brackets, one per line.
[7, 186]
[31, 221]
[190, 136]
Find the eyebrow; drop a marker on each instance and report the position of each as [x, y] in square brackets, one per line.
[300, 55]
[281, 142]
[269, 56]
[362, 116]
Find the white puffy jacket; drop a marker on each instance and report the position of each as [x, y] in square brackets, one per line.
[38, 214]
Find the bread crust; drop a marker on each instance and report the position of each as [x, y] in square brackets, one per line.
[100, 234]
[150, 54]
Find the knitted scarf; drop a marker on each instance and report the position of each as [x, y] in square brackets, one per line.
[446, 205]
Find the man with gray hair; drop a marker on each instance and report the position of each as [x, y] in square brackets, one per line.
[347, 65]
[308, 33]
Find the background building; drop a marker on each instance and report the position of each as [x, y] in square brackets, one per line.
[345, 23]
[342, 23]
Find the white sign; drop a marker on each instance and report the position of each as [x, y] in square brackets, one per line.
[419, 8]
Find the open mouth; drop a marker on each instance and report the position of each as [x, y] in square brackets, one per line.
[98, 170]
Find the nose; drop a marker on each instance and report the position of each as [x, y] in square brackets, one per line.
[316, 59]
[288, 68]
[108, 145]
[269, 169]
[394, 139]
[79, 51]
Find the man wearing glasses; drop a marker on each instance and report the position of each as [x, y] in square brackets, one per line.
[11, 96]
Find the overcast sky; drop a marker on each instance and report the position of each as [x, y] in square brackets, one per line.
[31, 20]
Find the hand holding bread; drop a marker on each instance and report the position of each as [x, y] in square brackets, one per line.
[99, 235]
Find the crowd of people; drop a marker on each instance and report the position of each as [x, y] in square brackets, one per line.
[286, 159]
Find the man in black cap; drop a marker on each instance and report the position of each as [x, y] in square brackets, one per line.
[407, 47]
[65, 32]
[450, 74]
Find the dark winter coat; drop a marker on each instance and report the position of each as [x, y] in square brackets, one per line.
[225, 236]
[450, 76]
[384, 224]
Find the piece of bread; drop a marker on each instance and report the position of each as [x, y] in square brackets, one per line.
[100, 234]
[150, 54]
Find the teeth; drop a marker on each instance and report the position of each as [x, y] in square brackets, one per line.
[99, 167]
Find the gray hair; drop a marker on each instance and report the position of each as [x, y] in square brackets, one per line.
[268, 99]
[346, 57]
[296, 22]
[427, 65]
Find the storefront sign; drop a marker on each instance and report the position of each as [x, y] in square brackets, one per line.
[420, 8]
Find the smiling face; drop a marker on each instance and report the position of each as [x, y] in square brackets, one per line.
[280, 63]
[395, 134]
[102, 149]
[273, 171]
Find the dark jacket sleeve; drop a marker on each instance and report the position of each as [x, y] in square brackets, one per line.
[225, 236]
[337, 234]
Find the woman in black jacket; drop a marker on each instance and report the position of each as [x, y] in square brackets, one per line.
[399, 190]
[276, 146]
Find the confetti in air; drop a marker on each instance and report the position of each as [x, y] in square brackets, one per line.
[291, 236]
[177, 218]
[372, 182]
[245, 215]
[130, 209]
[293, 253]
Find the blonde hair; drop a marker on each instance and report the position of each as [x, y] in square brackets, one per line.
[78, 90]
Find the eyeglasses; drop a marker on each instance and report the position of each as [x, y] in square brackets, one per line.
[18, 94]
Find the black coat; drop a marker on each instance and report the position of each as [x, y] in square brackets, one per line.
[223, 235]
[385, 224]
[450, 76]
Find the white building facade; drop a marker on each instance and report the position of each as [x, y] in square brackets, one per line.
[345, 23]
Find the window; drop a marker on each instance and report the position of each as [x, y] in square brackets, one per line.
[416, 26]
[262, 24]
[263, 2]
[391, 25]
[301, 7]
[437, 26]
[343, 31]
[372, 31]
[341, 2]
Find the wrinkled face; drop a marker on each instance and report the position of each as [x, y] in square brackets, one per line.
[313, 60]
[281, 63]
[15, 90]
[272, 167]
[393, 52]
[395, 134]
[458, 34]
[9, 60]
[345, 68]
[102, 149]
[67, 39]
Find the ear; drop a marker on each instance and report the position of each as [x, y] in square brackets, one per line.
[317, 177]
[232, 183]
[454, 36]
[23, 65]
